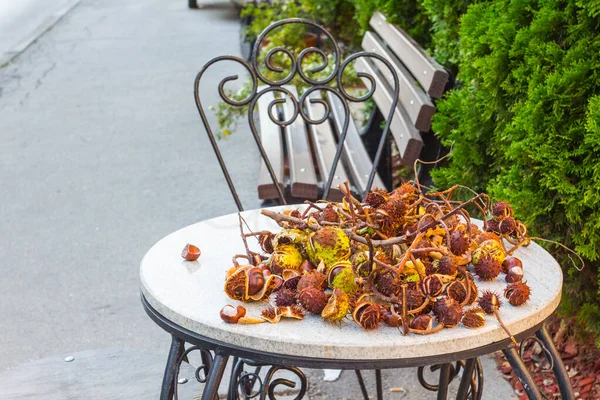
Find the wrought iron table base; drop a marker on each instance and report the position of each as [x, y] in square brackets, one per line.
[215, 355]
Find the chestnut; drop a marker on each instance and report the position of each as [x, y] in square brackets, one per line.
[515, 274]
[256, 280]
[237, 315]
[510, 262]
[423, 322]
[391, 319]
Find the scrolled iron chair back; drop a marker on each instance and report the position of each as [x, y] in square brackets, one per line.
[315, 85]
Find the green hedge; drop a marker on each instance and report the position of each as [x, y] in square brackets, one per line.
[524, 122]
[526, 125]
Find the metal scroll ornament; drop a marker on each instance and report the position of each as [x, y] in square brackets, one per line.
[250, 385]
[332, 83]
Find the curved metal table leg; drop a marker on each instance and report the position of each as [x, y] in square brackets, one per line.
[564, 383]
[444, 381]
[211, 389]
[512, 356]
[168, 383]
[465, 381]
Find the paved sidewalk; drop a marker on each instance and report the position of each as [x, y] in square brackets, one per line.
[103, 154]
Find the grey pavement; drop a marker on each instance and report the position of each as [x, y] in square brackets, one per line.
[102, 153]
[21, 22]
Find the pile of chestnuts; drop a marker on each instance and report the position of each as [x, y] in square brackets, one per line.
[402, 259]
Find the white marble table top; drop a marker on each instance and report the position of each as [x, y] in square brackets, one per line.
[191, 295]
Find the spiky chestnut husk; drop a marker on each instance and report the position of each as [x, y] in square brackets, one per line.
[404, 190]
[487, 268]
[360, 263]
[457, 291]
[235, 285]
[375, 198]
[337, 307]
[292, 283]
[447, 311]
[329, 214]
[285, 256]
[493, 225]
[312, 279]
[447, 266]
[459, 242]
[266, 242]
[517, 293]
[484, 236]
[507, 225]
[285, 297]
[313, 300]
[491, 248]
[430, 267]
[328, 244]
[342, 277]
[274, 314]
[388, 284]
[367, 315]
[432, 285]
[510, 262]
[422, 323]
[396, 208]
[474, 291]
[474, 318]
[289, 236]
[489, 301]
[414, 296]
[515, 274]
[293, 311]
[271, 314]
[502, 209]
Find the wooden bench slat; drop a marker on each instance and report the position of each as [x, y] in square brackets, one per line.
[428, 72]
[354, 154]
[415, 101]
[407, 137]
[303, 179]
[325, 147]
[270, 135]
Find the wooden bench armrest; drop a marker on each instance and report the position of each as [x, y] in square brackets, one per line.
[407, 137]
[428, 72]
[415, 101]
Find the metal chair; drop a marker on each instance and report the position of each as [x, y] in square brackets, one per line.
[332, 84]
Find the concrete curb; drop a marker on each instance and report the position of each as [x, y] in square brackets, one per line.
[29, 39]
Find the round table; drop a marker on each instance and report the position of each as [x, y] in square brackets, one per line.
[185, 297]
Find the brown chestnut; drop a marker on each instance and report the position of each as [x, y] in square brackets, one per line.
[231, 314]
[423, 322]
[237, 315]
[515, 274]
[190, 252]
[510, 262]
[306, 266]
[390, 318]
[256, 280]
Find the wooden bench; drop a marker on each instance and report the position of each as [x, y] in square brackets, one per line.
[301, 154]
